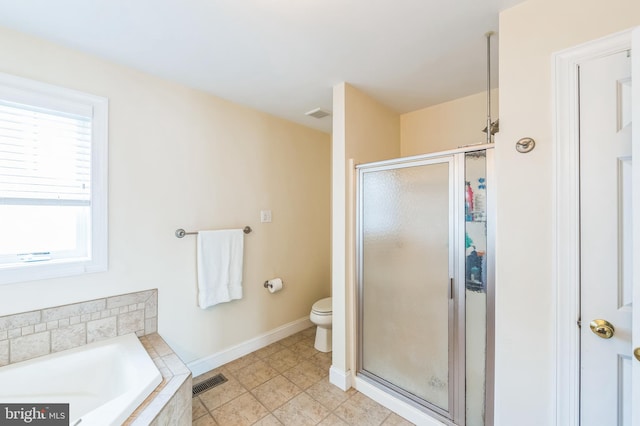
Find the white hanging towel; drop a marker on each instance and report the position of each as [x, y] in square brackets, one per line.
[219, 266]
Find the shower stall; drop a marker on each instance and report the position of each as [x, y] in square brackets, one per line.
[425, 282]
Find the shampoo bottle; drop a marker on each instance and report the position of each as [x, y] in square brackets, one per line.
[480, 200]
[468, 202]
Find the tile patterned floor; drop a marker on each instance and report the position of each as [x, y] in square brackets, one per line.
[286, 383]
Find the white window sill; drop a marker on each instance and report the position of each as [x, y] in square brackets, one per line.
[15, 273]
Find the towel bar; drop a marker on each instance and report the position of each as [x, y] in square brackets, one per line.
[181, 232]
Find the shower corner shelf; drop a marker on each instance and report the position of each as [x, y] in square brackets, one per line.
[476, 221]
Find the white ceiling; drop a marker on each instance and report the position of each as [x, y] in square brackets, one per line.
[283, 56]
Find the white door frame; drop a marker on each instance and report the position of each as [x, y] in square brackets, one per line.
[566, 224]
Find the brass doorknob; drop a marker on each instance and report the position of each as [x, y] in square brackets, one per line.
[602, 328]
[636, 353]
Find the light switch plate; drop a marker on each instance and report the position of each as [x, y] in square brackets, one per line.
[265, 216]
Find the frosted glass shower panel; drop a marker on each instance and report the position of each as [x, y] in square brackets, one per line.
[476, 254]
[404, 278]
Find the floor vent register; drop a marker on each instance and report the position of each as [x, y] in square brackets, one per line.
[205, 385]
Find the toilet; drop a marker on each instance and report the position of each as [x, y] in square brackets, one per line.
[322, 315]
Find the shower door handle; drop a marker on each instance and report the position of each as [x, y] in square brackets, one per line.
[451, 288]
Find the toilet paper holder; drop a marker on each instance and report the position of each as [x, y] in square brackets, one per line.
[273, 285]
[267, 284]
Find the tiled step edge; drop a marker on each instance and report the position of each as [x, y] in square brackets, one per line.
[170, 402]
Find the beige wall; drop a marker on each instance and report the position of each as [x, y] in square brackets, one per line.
[363, 131]
[529, 34]
[180, 158]
[449, 125]
[372, 130]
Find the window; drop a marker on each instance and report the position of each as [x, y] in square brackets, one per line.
[53, 181]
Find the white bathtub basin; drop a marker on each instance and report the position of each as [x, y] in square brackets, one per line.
[103, 382]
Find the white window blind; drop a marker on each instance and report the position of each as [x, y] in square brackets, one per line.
[45, 156]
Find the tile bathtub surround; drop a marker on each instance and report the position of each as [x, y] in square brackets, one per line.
[285, 383]
[31, 334]
[170, 402]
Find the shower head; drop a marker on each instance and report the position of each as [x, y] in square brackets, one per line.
[495, 127]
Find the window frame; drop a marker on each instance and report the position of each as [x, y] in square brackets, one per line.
[47, 95]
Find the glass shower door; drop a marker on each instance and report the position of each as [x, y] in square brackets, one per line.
[406, 263]
[476, 286]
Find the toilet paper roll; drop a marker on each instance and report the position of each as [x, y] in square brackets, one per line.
[274, 285]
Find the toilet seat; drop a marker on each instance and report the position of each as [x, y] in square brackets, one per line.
[322, 307]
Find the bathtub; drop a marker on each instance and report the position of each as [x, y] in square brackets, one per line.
[103, 382]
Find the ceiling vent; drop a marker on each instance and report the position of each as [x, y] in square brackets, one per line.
[318, 113]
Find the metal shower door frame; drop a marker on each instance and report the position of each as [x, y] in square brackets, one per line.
[457, 334]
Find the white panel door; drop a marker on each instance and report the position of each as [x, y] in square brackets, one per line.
[606, 240]
[635, 96]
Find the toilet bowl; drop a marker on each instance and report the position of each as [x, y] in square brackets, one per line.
[322, 316]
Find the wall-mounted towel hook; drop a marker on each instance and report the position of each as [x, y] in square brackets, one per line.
[525, 145]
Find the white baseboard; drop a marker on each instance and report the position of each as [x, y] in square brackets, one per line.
[398, 406]
[208, 363]
[340, 378]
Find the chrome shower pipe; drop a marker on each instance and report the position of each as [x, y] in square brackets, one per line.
[489, 132]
